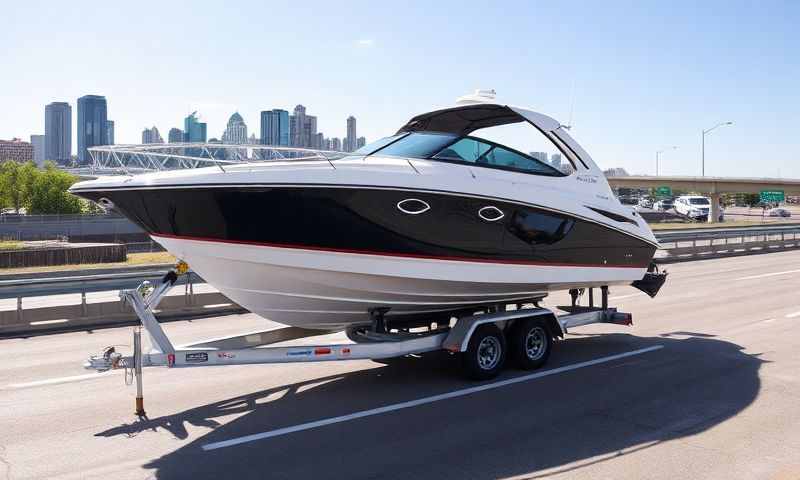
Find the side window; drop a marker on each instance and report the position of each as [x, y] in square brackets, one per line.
[464, 150]
[500, 157]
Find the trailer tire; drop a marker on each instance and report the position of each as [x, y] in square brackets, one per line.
[529, 343]
[485, 354]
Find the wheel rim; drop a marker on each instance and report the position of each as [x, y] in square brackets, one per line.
[536, 343]
[489, 351]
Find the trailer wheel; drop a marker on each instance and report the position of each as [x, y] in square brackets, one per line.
[530, 343]
[485, 353]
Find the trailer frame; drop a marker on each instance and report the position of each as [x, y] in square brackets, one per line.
[258, 347]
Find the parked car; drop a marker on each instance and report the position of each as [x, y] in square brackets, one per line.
[693, 206]
[664, 205]
[646, 202]
[780, 212]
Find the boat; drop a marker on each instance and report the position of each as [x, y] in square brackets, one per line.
[426, 223]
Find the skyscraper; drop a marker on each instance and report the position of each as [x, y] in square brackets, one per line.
[236, 132]
[38, 149]
[336, 144]
[110, 132]
[175, 135]
[193, 129]
[555, 161]
[92, 128]
[58, 132]
[302, 128]
[360, 142]
[275, 127]
[152, 135]
[350, 141]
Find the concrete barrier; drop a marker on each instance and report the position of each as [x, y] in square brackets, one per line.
[87, 316]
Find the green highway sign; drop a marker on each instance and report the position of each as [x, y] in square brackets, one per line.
[664, 191]
[772, 196]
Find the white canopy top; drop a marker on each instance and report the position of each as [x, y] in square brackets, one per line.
[473, 112]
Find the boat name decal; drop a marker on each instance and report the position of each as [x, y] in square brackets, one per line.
[196, 357]
[298, 353]
[586, 178]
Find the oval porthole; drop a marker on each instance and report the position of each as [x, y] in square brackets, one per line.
[106, 203]
[413, 206]
[491, 214]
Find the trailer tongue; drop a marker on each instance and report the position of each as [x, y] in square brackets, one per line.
[523, 331]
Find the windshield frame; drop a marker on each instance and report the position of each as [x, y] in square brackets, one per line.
[492, 146]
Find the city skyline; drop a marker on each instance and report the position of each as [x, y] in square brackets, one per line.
[624, 98]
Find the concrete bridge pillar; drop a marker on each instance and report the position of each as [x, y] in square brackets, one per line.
[714, 211]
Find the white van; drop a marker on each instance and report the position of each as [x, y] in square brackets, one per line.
[693, 206]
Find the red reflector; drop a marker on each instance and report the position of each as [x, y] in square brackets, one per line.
[322, 351]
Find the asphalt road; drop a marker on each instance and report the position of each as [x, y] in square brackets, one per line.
[715, 395]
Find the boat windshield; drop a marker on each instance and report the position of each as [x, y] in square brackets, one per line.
[447, 147]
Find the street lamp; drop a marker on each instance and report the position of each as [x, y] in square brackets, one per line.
[659, 152]
[703, 160]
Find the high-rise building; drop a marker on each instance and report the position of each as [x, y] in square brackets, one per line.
[15, 150]
[336, 144]
[252, 140]
[275, 127]
[360, 142]
[110, 132]
[58, 132]
[193, 129]
[92, 127]
[175, 135]
[317, 141]
[236, 132]
[555, 161]
[350, 141]
[38, 149]
[152, 135]
[302, 128]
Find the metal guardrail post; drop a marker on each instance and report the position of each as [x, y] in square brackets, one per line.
[20, 317]
[84, 307]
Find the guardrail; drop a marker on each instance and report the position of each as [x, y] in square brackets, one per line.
[24, 320]
[698, 244]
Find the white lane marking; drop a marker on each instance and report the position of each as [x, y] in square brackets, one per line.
[764, 275]
[421, 401]
[637, 294]
[54, 381]
[792, 315]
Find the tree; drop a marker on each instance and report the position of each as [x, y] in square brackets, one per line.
[48, 192]
[15, 183]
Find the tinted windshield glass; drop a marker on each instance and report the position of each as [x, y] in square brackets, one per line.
[377, 145]
[482, 153]
[418, 145]
[698, 201]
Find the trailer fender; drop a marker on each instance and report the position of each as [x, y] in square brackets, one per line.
[458, 338]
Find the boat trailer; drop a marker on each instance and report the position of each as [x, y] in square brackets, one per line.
[523, 330]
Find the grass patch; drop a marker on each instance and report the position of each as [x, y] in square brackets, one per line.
[10, 245]
[729, 223]
[134, 259]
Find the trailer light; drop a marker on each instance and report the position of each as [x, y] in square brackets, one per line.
[322, 351]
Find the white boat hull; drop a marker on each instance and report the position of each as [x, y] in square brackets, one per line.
[329, 290]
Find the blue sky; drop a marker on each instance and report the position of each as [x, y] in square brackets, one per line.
[641, 75]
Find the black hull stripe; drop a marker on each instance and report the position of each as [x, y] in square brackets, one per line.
[390, 254]
[372, 187]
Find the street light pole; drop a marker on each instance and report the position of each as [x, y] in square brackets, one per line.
[659, 152]
[703, 146]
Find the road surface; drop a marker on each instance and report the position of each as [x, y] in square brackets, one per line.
[708, 387]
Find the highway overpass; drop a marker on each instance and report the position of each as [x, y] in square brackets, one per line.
[710, 186]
